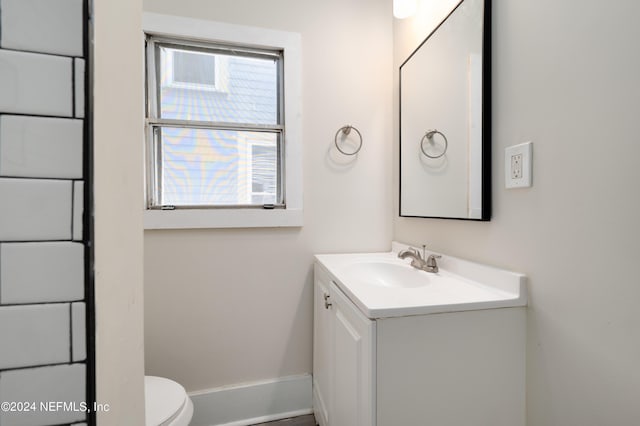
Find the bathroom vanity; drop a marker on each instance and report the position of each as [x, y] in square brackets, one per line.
[394, 345]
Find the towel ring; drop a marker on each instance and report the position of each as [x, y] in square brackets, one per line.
[429, 135]
[346, 130]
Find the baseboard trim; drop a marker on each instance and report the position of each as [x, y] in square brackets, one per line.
[252, 403]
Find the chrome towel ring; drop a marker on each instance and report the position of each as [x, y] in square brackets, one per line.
[429, 135]
[345, 130]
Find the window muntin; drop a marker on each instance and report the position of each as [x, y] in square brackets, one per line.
[214, 145]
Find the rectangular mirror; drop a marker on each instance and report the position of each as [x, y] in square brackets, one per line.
[445, 119]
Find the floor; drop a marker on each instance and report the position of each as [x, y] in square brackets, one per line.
[294, 421]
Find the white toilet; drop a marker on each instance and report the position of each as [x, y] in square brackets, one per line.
[166, 402]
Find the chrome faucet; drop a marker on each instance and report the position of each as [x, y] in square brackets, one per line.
[417, 260]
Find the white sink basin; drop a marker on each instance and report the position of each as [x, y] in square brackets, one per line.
[387, 274]
[382, 285]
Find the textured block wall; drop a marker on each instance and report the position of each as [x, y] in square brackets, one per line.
[43, 244]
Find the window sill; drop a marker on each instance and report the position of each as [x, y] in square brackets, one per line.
[232, 218]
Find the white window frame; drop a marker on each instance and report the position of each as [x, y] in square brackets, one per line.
[290, 43]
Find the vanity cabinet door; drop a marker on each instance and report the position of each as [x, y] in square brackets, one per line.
[322, 319]
[352, 364]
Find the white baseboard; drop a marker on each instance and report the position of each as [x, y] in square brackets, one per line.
[252, 403]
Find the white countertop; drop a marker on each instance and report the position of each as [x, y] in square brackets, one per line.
[460, 285]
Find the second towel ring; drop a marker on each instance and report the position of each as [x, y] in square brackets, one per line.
[346, 130]
[429, 135]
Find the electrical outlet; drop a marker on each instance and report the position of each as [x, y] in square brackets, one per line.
[518, 165]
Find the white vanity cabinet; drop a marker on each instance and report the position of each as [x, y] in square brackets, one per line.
[441, 369]
[343, 358]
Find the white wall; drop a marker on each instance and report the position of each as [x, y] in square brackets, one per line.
[565, 76]
[229, 306]
[118, 193]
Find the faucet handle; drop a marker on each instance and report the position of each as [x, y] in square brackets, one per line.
[431, 262]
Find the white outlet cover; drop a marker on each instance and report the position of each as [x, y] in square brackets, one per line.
[525, 149]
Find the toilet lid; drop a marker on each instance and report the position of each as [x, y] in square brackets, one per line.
[164, 398]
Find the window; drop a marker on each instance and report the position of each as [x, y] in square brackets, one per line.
[211, 147]
[219, 152]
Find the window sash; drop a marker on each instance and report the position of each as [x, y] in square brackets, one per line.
[155, 178]
[153, 60]
[154, 122]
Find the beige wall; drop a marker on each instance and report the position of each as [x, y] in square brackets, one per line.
[118, 217]
[229, 306]
[565, 76]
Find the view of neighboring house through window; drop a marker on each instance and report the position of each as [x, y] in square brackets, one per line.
[215, 125]
[191, 70]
